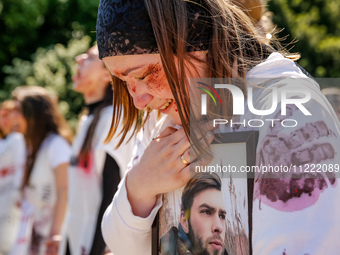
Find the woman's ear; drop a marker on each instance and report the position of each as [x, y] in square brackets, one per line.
[185, 221]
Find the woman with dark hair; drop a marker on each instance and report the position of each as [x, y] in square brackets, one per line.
[153, 50]
[48, 139]
[96, 168]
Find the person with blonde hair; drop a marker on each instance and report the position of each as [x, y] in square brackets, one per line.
[156, 50]
[48, 139]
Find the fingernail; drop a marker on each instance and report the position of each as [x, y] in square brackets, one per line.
[211, 123]
[208, 135]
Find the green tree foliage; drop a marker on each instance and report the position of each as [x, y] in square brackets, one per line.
[40, 38]
[52, 68]
[29, 24]
[315, 26]
[33, 39]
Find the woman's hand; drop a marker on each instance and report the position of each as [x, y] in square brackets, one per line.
[52, 245]
[161, 168]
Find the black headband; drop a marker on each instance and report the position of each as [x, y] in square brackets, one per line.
[124, 28]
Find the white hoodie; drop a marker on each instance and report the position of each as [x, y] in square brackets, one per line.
[283, 222]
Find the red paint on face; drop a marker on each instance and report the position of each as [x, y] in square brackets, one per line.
[175, 107]
[118, 73]
[156, 79]
[146, 81]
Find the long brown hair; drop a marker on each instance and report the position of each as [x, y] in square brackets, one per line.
[40, 109]
[125, 112]
[234, 40]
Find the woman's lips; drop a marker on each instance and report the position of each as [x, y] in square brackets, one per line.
[167, 108]
[166, 104]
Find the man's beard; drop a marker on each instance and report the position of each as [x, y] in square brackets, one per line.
[197, 243]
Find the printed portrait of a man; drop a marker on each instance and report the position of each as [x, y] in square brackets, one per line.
[202, 224]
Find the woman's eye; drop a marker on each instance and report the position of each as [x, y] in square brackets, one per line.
[142, 78]
[146, 74]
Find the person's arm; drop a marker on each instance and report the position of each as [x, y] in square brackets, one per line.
[60, 176]
[123, 232]
[111, 179]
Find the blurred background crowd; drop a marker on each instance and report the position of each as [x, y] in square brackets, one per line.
[55, 110]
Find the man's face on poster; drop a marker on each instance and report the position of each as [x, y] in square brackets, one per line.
[206, 226]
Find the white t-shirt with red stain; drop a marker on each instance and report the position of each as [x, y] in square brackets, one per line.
[41, 189]
[12, 165]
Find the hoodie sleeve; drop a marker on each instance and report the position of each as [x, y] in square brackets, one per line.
[124, 232]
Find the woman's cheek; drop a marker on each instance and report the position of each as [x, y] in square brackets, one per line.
[131, 85]
[157, 83]
[133, 88]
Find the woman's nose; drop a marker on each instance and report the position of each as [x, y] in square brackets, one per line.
[140, 95]
[141, 102]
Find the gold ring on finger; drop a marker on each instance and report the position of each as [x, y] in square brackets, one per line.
[184, 160]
